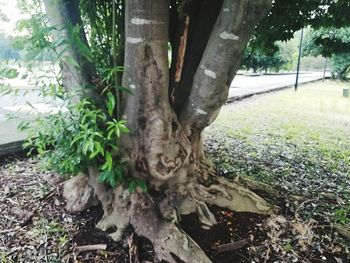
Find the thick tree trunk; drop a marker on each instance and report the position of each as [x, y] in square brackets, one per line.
[164, 147]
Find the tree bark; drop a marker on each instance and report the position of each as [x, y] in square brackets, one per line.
[220, 61]
[63, 17]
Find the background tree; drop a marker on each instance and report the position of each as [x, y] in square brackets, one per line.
[287, 17]
[259, 60]
[333, 43]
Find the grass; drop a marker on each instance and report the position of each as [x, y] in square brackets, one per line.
[297, 141]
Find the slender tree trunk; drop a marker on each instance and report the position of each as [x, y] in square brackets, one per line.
[78, 81]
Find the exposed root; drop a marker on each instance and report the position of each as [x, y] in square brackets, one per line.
[230, 195]
[260, 186]
[344, 230]
[256, 185]
[169, 241]
[78, 194]
[142, 213]
[157, 219]
[205, 216]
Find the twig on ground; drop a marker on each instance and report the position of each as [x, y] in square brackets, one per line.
[232, 246]
[133, 248]
[90, 248]
[11, 230]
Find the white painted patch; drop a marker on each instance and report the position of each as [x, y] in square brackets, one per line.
[210, 73]
[132, 86]
[226, 35]
[200, 111]
[142, 21]
[226, 10]
[134, 40]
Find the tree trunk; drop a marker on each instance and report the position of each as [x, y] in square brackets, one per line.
[78, 77]
[164, 147]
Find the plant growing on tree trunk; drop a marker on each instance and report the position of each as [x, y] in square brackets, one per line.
[166, 111]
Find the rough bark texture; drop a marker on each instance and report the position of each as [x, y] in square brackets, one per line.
[164, 147]
[79, 194]
[156, 146]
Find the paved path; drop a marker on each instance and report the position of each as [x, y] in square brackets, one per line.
[16, 106]
[246, 86]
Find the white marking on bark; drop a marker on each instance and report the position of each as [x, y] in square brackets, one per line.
[226, 35]
[226, 10]
[200, 111]
[134, 40]
[142, 21]
[132, 86]
[210, 73]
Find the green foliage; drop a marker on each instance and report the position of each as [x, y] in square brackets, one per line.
[35, 41]
[333, 43]
[340, 65]
[327, 41]
[106, 36]
[86, 134]
[287, 17]
[342, 215]
[69, 142]
[8, 72]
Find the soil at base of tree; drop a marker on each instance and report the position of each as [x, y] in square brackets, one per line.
[35, 228]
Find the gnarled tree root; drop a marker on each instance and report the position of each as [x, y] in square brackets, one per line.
[252, 184]
[158, 220]
[78, 194]
[230, 195]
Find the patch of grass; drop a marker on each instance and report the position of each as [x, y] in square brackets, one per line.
[298, 141]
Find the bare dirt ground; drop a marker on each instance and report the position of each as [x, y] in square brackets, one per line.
[35, 228]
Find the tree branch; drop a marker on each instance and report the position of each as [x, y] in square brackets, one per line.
[221, 60]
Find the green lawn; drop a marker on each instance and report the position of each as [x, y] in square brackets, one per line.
[297, 141]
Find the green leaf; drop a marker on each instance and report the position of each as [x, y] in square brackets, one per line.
[70, 61]
[132, 186]
[109, 161]
[104, 176]
[24, 125]
[142, 185]
[117, 131]
[110, 133]
[110, 103]
[11, 73]
[122, 127]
